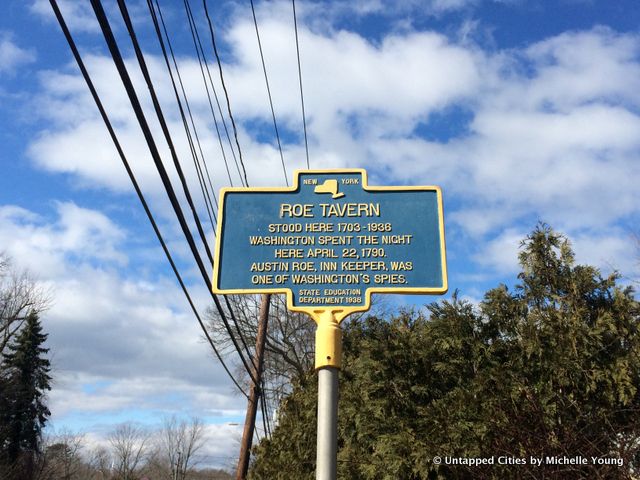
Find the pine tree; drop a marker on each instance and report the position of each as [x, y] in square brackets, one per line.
[548, 369]
[26, 380]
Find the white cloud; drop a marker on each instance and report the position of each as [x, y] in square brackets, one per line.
[221, 442]
[340, 9]
[120, 340]
[121, 343]
[552, 130]
[536, 149]
[582, 67]
[557, 164]
[608, 250]
[78, 15]
[12, 56]
[344, 74]
[341, 96]
[501, 253]
[222, 446]
[43, 247]
[104, 396]
[445, 5]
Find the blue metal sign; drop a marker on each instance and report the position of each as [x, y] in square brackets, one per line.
[330, 241]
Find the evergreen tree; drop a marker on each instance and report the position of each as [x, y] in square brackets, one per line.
[550, 369]
[25, 413]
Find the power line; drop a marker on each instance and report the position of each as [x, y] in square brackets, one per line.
[163, 124]
[136, 187]
[304, 117]
[153, 149]
[233, 123]
[229, 307]
[196, 43]
[147, 77]
[265, 410]
[135, 103]
[179, 170]
[203, 186]
[224, 87]
[266, 80]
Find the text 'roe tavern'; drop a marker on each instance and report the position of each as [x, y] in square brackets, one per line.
[330, 210]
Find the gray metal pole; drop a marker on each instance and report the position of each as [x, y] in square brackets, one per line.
[327, 448]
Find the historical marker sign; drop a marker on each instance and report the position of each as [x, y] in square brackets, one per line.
[330, 241]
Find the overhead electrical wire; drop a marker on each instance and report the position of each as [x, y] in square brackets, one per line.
[196, 42]
[163, 124]
[117, 58]
[266, 80]
[265, 410]
[203, 185]
[137, 108]
[263, 404]
[134, 182]
[216, 124]
[102, 19]
[158, 109]
[304, 116]
[224, 87]
[159, 35]
[135, 103]
[202, 58]
[151, 89]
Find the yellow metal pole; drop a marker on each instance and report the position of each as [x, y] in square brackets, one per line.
[328, 341]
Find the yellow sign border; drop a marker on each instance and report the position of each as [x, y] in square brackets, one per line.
[339, 313]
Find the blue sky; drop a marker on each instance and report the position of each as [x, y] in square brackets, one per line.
[521, 111]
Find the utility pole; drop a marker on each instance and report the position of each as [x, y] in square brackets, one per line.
[254, 392]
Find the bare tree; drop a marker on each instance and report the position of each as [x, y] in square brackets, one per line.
[20, 296]
[100, 463]
[289, 346]
[61, 457]
[179, 442]
[129, 445]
